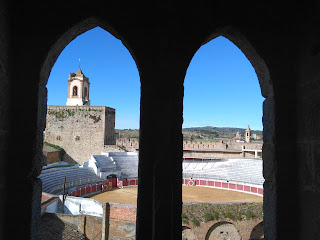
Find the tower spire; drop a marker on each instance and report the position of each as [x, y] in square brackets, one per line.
[78, 89]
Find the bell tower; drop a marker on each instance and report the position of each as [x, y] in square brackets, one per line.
[248, 135]
[78, 89]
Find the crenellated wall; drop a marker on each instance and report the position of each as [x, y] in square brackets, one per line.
[198, 149]
[221, 145]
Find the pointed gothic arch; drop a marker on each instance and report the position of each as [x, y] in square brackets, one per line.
[266, 86]
[259, 65]
[53, 54]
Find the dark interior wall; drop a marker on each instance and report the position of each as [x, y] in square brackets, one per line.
[162, 38]
[308, 125]
[4, 109]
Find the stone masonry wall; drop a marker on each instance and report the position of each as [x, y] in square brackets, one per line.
[81, 131]
[222, 145]
[225, 145]
[122, 224]
[191, 147]
[90, 226]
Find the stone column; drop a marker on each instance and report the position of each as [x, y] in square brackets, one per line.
[161, 150]
[160, 164]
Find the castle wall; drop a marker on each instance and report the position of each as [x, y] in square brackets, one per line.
[80, 130]
[128, 142]
[229, 148]
[226, 144]
[222, 145]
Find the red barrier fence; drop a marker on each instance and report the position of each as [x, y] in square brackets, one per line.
[240, 187]
[128, 183]
[93, 188]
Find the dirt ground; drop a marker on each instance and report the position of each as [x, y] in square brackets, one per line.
[189, 194]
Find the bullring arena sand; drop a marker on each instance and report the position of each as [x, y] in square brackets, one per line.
[189, 194]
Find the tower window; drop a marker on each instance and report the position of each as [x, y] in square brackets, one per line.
[77, 138]
[58, 138]
[75, 91]
[85, 92]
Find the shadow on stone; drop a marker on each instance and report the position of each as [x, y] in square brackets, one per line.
[52, 228]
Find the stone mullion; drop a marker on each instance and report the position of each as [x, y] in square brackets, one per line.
[160, 167]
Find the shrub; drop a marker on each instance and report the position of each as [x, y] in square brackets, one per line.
[239, 218]
[250, 215]
[228, 215]
[208, 217]
[183, 215]
[216, 215]
[195, 222]
[185, 221]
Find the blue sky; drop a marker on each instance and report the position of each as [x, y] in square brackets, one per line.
[221, 87]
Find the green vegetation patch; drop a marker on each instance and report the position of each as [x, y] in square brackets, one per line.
[60, 149]
[127, 133]
[205, 212]
[195, 222]
[208, 217]
[54, 146]
[62, 113]
[207, 140]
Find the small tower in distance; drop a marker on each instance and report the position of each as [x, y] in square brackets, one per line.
[78, 89]
[248, 135]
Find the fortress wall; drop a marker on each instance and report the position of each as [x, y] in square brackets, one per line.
[128, 142]
[225, 145]
[79, 130]
[212, 155]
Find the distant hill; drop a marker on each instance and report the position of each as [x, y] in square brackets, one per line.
[195, 133]
[127, 133]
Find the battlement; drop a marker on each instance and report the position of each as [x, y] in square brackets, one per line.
[81, 108]
[222, 145]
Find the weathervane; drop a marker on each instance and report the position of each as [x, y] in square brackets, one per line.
[79, 62]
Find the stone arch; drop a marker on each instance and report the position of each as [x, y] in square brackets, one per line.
[257, 231]
[75, 91]
[268, 119]
[223, 229]
[58, 47]
[188, 234]
[52, 55]
[70, 35]
[259, 65]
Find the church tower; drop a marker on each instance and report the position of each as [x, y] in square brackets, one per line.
[78, 89]
[248, 135]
